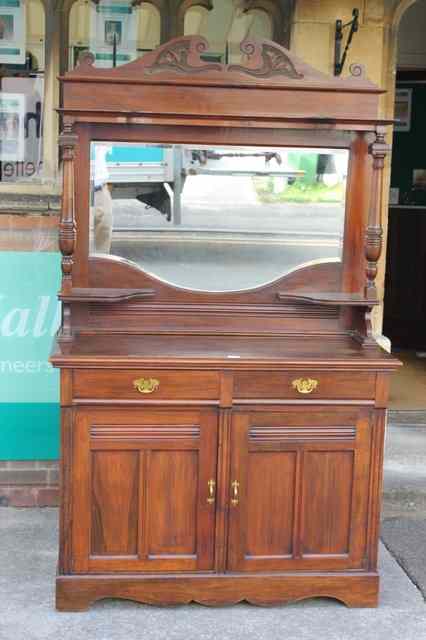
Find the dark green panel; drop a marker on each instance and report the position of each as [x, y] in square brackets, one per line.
[408, 151]
[29, 431]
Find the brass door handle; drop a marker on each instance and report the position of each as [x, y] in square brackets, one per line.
[212, 491]
[235, 487]
[146, 385]
[305, 385]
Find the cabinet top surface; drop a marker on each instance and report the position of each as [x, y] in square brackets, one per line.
[219, 351]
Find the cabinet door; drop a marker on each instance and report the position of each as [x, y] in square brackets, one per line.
[299, 490]
[143, 496]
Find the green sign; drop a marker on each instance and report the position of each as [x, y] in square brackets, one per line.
[29, 385]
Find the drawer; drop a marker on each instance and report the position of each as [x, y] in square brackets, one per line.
[304, 385]
[103, 384]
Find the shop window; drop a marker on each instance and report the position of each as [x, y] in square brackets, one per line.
[115, 31]
[22, 40]
[196, 21]
[225, 25]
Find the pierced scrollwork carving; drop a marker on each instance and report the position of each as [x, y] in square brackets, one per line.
[270, 60]
[184, 56]
[264, 59]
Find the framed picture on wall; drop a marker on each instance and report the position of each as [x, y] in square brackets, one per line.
[12, 32]
[403, 105]
[419, 179]
[113, 32]
[12, 127]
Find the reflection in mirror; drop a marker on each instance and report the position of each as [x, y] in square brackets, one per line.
[217, 218]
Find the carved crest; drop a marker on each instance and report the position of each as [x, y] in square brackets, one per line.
[179, 56]
[264, 59]
[270, 60]
[187, 58]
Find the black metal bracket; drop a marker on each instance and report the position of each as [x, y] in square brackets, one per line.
[339, 59]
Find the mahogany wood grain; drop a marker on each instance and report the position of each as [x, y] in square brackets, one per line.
[172, 478]
[65, 487]
[329, 299]
[271, 456]
[148, 507]
[271, 483]
[114, 517]
[82, 206]
[222, 507]
[280, 385]
[77, 593]
[145, 499]
[189, 87]
[191, 385]
[66, 387]
[357, 201]
[382, 390]
[375, 492]
[90, 294]
[228, 103]
[327, 490]
[104, 269]
[332, 353]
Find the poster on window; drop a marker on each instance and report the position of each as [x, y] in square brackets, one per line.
[12, 32]
[21, 128]
[403, 106]
[113, 33]
[12, 123]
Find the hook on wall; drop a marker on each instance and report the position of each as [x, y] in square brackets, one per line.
[339, 59]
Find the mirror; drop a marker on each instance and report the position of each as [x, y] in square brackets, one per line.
[217, 218]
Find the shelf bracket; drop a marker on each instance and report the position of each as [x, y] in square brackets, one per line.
[339, 59]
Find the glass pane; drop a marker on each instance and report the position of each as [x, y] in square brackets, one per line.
[225, 25]
[115, 31]
[21, 90]
[217, 218]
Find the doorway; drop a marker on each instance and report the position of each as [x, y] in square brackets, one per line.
[405, 285]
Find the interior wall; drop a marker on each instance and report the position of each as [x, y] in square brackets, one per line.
[412, 38]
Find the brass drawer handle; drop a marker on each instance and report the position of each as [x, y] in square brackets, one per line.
[235, 493]
[212, 491]
[146, 385]
[305, 385]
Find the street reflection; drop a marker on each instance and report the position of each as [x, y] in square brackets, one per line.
[217, 219]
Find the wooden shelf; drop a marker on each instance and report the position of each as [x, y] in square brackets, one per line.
[329, 298]
[81, 294]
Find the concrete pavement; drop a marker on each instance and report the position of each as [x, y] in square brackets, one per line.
[28, 552]
[404, 504]
[28, 548]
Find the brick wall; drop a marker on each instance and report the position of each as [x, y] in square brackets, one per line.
[29, 483]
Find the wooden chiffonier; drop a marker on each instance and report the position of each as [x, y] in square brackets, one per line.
[223, 398]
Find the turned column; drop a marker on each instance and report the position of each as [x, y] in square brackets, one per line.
[374, 233]
[67, 226]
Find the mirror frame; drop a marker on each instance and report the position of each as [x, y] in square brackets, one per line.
[309, 262]
[172, 96]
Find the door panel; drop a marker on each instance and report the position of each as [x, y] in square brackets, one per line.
[171, 522]
[141, 490]
[303, 481]
[270, 503]
[115, 503]
[327, 491]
